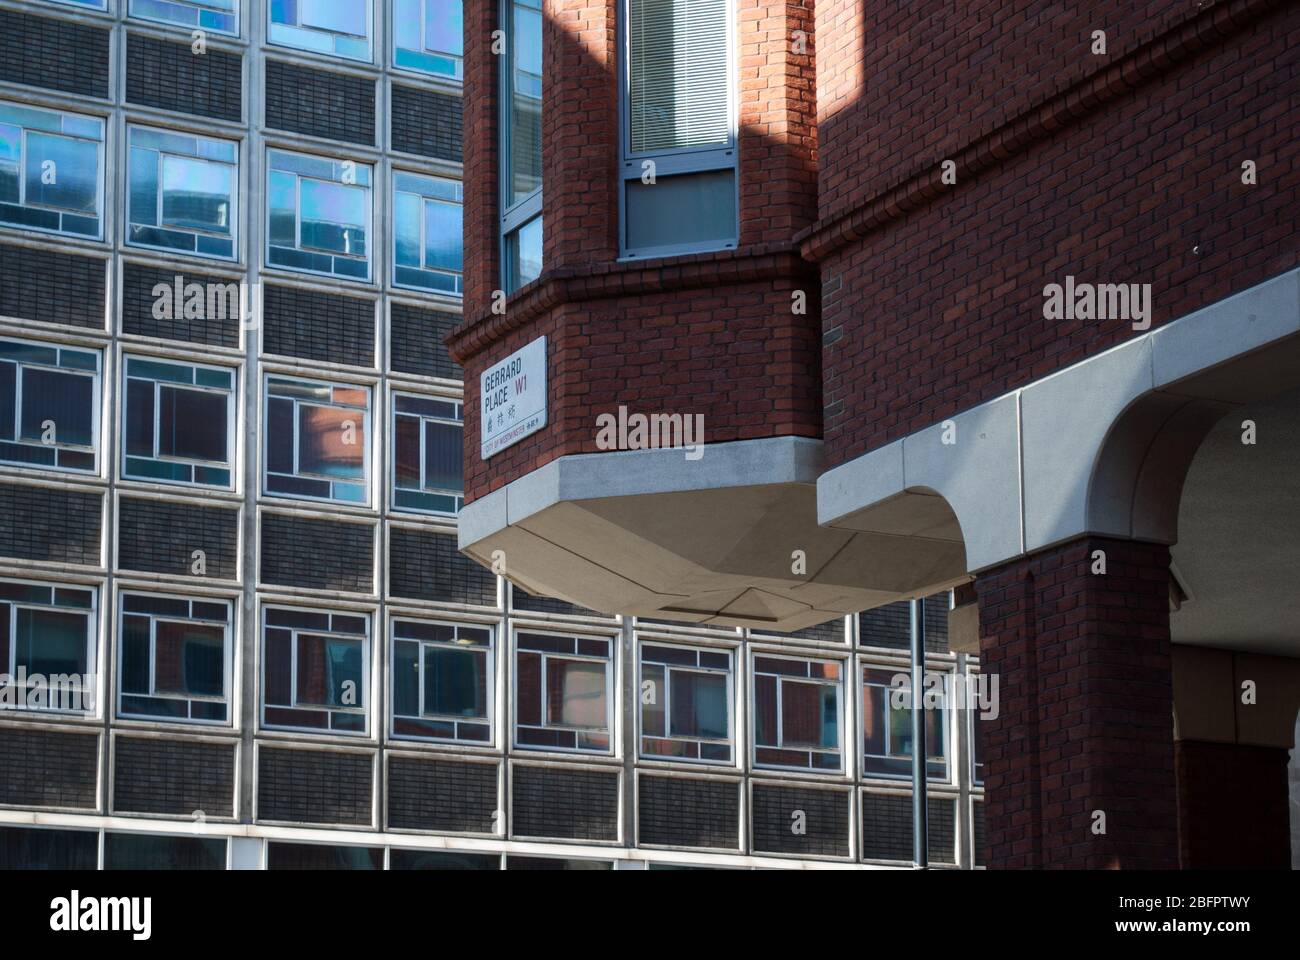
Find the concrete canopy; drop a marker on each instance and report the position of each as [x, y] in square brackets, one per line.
[731, 539]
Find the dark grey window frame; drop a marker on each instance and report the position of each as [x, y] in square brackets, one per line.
[680, 161]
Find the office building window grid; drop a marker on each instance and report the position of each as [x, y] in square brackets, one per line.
[172, 436]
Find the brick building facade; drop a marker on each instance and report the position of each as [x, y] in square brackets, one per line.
[1107, 485]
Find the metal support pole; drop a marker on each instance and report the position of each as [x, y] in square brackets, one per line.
[920, 835]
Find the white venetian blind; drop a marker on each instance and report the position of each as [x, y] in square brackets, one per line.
[680, 77]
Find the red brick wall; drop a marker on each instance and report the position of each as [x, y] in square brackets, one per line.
[903, 84]
[933, 295]
[1233, 806]
[708, 342]
[1085, 709]
[713, 333]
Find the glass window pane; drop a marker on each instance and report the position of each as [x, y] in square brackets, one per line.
[653, 697]
[192, 425]
[525, 254]
[525, 105]
[335, 16]
[680, 74]
[334, 217]
[24, 848]
[51, 642]
[406, 452]
[444, 230]
[197, 194]
[135, 655]
[699, 704]
[575, 693]
[528, 682]
[455, 682]
[64, 401]
[406, 679]
[697, 208]
[406, 23]
[809, 717]
[444, 26]
[62, 172]
[279, 435]
[331, 442]
[406, 229]
[329, 671]
[190, 659]
[303, 856]
[134, 851]
[442, 860]
[765, 711]
[444, 453]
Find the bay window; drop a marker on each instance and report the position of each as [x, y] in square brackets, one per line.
[679, 188]
[521, 144]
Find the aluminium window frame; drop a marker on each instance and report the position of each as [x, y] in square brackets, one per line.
[733, 696]
[97, 426]
[949, 672]
[236, 183]
[369, 446]
[842, 707]
[398, 390]
[490, 680]
[394, 172]
[232, 422]
[92, 615]
[238, 13]
[682, 160]
[513, 217]
[370, 38]
[231, 640]
[371, 227]
[613, 675]
[366, 689]
[101, 171]
[970, 678]
[457, 79]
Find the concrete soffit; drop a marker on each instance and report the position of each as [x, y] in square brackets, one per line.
[629, 473]
[1100, 447]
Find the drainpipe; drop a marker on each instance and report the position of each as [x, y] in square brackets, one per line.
[920, 836]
